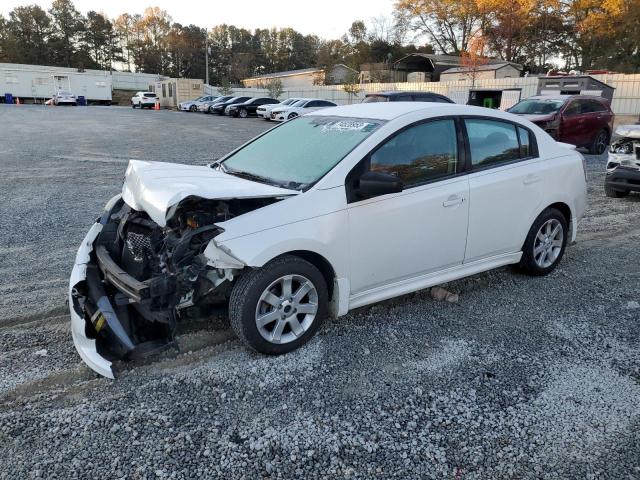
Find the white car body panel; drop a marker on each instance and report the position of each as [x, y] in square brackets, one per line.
[155, 187]
[380, 247]
[141, 99]
[264, 111]
[85, 346]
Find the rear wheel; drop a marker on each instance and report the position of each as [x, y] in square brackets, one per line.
[600, 143]
[545, 244]
[613, 193]
[279, 307]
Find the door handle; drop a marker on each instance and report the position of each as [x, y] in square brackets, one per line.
[530, 179]
[453, 200]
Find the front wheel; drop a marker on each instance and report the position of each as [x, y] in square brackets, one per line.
[193, 108]
[279, 307]
[292, 116]
[545, 244]
[243, 113]
[600, 143]
[133, 105]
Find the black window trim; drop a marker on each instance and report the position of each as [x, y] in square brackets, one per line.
[478, 168]
[364, 165]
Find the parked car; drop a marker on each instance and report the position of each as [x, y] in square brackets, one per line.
[301, 107]
[389, 199]
[581, 120]
[205, 106]
[623, 164]
[400, 96]
[192, 105]
[265, 110]
[143, 99]
[63, 97]
[220, 108]
[243, 110]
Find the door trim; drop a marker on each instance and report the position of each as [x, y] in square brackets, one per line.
[402, 287]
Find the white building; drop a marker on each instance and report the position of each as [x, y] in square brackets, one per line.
[306, 77]
[482, 72]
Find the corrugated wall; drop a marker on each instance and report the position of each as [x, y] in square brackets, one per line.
[626, 100]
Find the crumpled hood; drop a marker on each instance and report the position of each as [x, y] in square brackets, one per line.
[539, 118]
[155, 187]
[629, 131]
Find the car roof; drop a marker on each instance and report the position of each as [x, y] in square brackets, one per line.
[565, 97]
[391, 93]
[392, 110]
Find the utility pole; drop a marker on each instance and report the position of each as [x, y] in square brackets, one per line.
[206, 57]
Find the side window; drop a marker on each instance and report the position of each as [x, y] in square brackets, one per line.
[492, 142]
[525, 143]
[312, 104]
[420, 153]
[594, 106]
[573, 108]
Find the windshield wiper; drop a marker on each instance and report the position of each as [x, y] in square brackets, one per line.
[251, 176]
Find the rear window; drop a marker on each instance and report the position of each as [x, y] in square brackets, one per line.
[150, 95]
[375, 99]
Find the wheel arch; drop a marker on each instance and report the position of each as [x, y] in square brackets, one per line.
[567, 212]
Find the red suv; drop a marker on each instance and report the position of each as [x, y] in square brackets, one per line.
[581, 120]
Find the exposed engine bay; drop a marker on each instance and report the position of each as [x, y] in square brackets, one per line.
[142, 278]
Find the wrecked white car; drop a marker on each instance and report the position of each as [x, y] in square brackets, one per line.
[623, 164]
[331, 211]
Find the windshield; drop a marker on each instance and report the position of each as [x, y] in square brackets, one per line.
[375, 99]
[537, 106]
[301, 151]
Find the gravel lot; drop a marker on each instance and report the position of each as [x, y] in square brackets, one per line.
[521, 378]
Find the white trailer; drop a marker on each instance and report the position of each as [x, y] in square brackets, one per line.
[38, 83]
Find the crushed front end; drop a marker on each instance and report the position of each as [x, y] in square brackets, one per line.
[623, 162]
[132, 279]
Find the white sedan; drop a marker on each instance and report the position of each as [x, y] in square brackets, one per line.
[298, 108]
[264, 111]
[366, 202]
[193, 105]
[63, 97]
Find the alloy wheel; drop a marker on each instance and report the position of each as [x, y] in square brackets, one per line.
[548, 243]
[601, 143]
[286, 309]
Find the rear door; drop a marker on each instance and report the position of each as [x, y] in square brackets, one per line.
[506, 186]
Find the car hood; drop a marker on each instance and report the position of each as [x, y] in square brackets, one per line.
[629, 131]
[155, 187]
[539, 117]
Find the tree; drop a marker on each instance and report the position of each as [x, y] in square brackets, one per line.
[26, 36]
[473, 58]
[100, 41]
[448, 23]
[225, 87]
[68, 26]
[274, 87]
[351, 86]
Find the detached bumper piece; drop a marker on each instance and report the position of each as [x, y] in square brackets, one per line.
[624, 178]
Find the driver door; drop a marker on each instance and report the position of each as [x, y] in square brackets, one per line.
[420, 230]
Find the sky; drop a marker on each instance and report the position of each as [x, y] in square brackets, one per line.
[325, 18]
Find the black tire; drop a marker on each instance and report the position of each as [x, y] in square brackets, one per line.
[247, 291]
[133, 105]
[528, 262]
[292, 116]
[613, 193]
[193, 108]
[600, 143]
[243, 113]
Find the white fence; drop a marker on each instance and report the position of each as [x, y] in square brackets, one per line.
[626, 99]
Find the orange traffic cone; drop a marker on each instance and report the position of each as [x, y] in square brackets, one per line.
[157, 107]
[17, 101]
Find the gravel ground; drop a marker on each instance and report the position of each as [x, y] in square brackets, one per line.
[521, 378]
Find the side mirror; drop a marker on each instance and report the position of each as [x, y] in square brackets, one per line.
[374, 184]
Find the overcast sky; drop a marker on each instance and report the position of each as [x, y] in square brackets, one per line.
[326, 18]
